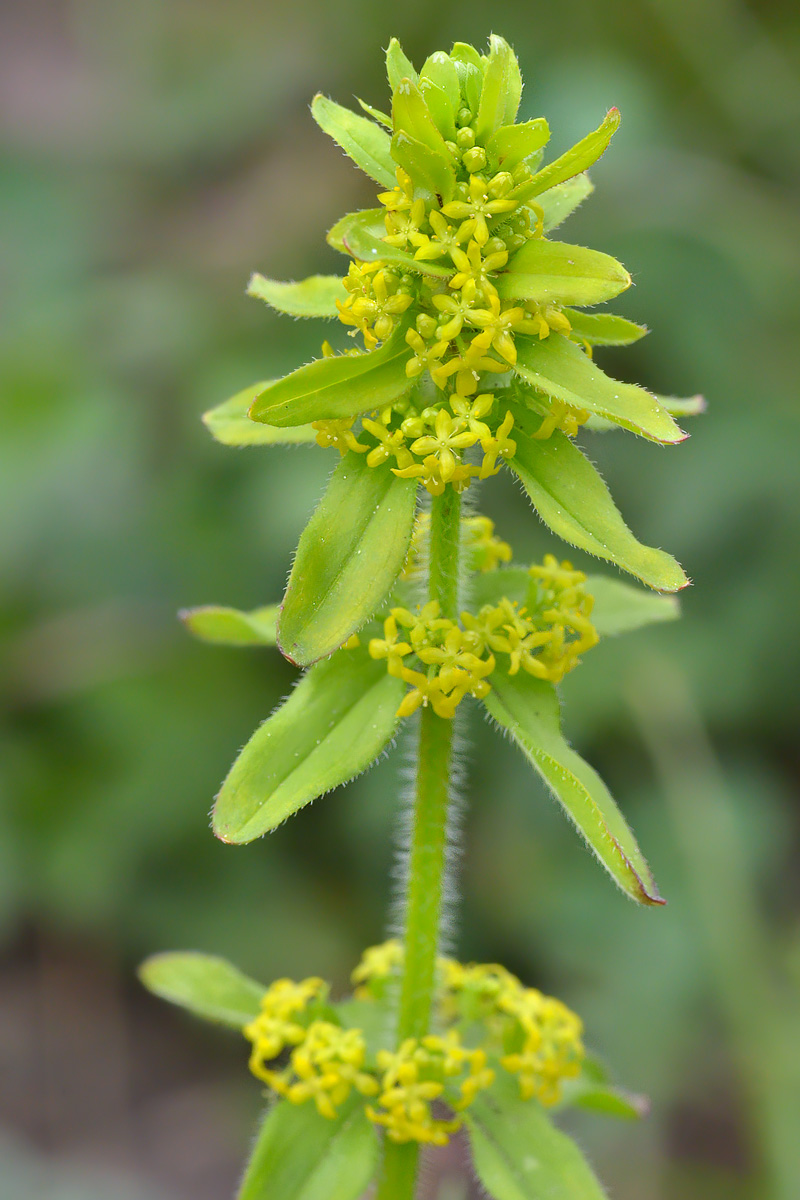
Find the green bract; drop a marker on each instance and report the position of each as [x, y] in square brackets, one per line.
[471, 351]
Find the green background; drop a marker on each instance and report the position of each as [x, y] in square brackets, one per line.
[155, 154]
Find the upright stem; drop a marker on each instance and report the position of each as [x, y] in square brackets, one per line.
[428, 849]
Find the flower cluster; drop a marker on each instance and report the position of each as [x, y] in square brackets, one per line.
[529, 1035]
[544, 637]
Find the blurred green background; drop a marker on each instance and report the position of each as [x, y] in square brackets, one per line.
[155, 154]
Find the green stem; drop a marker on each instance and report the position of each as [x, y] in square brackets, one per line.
[428, 850]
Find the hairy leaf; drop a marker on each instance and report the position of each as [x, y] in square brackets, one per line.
[364, 141]
[576, 159]
[571, 497]
[230, 626]
[312, 297]
[520, 1155]
[559, 273]
[528, 709]
[557, 367]
[412, 117]
[337, 387]
[501, 92]
[207, 986]
[512, 144]
[332, 727]
[398, 65]
[440, 70]
[300, 1155]
[440, 106]
[427, 168]
[229, 423]
[361, 234]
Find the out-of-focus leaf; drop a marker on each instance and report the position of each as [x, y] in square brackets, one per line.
[348, 558]
[331, 728]
[361, 234]
[593, 1090]
[364, 141]
[501, 92]
[512, 144]
[558, 202]
[375, 1018]
[312, 297]
[618, 607]
[301, 1155]
[570, 497]
[604, 329]
[229, 423]
[576, 159]
[337, 387]
[559, 368]
[230, 626]
[398, 65]
[207, 986]
[518, 1152]
[559, 273]
[528, 709]
[425, 166]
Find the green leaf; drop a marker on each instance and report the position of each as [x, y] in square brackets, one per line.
[207, 986]
[332, 727]
[427, 168]
[557, 367]
[440, 70]
[559, 273]
[300, 1155]
[577, 159]
[558, 202]
[620, 608]
[593, 1090]
[229, 423]
[230, 626]
[348, 558]
[376, 113]
[604, 329]
[512, 144]
[692, 406]
[462, 52]
[411, 116]
[501, 92]
[570, 497]
[398, 66]
[361, 234]
[313, 297]
[440, 107]
[528, 709]
[337, 387]
[364, 141]
[520, 1155]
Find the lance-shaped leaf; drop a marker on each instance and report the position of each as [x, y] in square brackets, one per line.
[571, 497]
[348, 558]
[440, 70]
[332, 727]
[312, 297]
[692, 406]
[518, 1152]
[528, 709]
[376, 113]
[618, 607]
[364, 141]
[398, 65]
[559, 368]
[604, 329]
[512, 144]
[361, 234]
[207, 986]
[501, 92]
[558, 202]
[231, 626]
[440, 107]
[593, 1090]
[578, 158]
[427, 168]
[338, 387]
[301, 1155]
[229, 423]
[412, 117]
[559, 273]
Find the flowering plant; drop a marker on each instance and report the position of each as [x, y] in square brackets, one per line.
[475, 355]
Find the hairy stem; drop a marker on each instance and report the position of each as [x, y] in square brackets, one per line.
[428, 850]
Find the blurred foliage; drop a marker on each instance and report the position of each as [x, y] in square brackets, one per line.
[155, 154]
